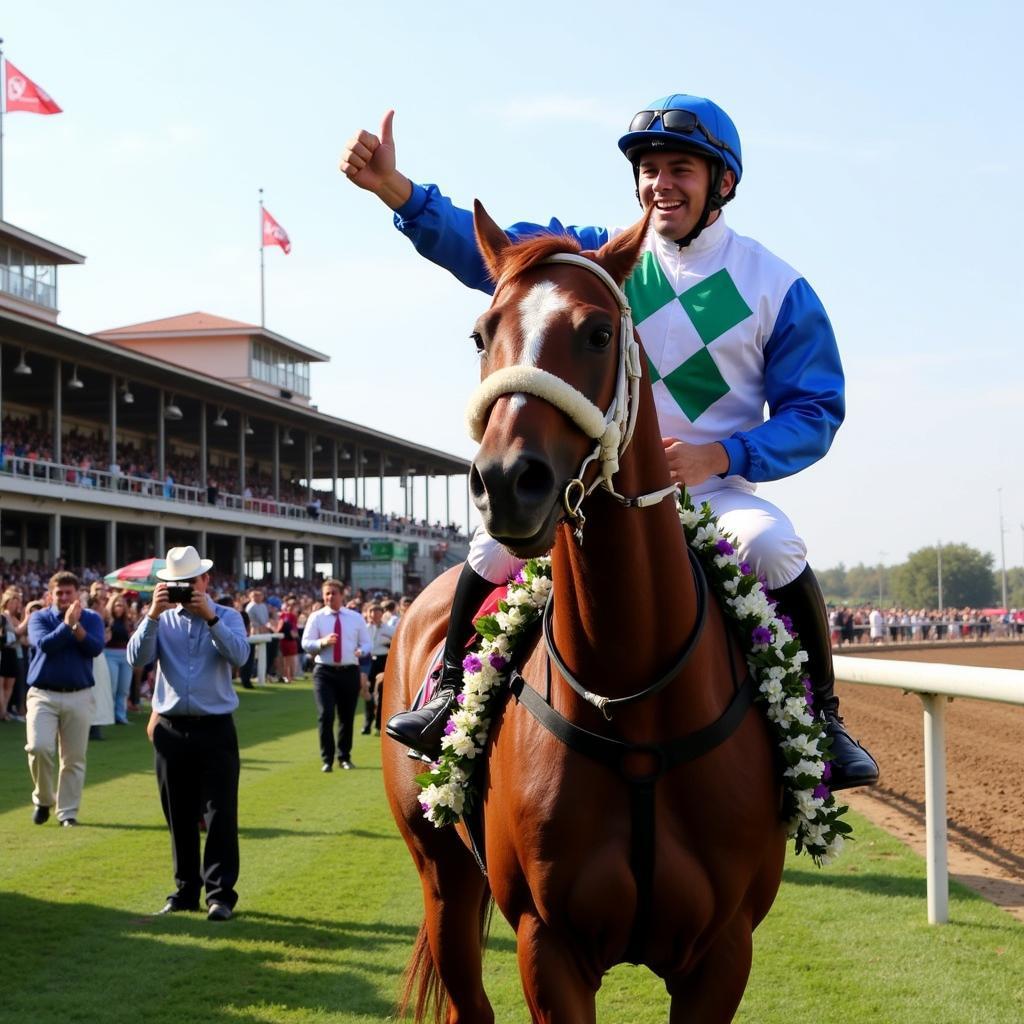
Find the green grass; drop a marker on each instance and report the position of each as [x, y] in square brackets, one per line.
[329, 905]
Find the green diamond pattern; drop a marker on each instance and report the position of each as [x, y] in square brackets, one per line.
[653, 371]
[714, 306]
[697, 384]
[647, 289]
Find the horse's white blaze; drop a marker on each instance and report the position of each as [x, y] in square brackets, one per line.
[536, 310]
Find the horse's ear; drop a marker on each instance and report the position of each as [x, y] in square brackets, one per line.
[620, 255]
[490, 239]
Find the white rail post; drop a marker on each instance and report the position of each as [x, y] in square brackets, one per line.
[935, 806]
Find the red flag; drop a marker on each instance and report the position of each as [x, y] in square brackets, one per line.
[24, 94]
[274, 234]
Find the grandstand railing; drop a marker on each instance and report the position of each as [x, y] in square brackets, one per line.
[86, 479]
[936, 685]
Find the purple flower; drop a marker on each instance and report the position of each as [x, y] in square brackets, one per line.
[449, 728]
[821, 791]
[498, 661]
[519, 577]
[827, 773]
[461, 698]
[723, 547]
[787, 622]
[745, 568]
[808, 692]
[761, 635]
[424, 806]
[471, 663]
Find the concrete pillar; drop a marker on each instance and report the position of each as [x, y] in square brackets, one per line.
[113, 423]
[380, 482]
[334, 475]
[201, 540]
[58, 395]
[241, 452]
[54, 538]
[204, 455]
[111, 544]
[307, 561]
[240, 561]
[277, 462]
[161, 439]
[447, 499]
[275, 569]
[309, 468]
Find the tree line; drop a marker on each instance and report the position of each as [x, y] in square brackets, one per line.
[969, 580]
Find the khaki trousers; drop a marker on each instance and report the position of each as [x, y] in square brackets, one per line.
[52, 720]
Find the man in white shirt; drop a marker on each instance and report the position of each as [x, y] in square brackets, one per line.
[335, 637]
[381, 633]
[877, 623]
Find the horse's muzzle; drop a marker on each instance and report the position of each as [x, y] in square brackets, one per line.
[516, 496]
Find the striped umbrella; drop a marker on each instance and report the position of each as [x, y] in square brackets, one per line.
[139, 576]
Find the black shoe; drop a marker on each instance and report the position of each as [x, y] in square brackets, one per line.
[365, 731]
[173, 906]
[423, 729]
[96, 733]
[346, 765]
[326, 767]
[851, 765]
[69, 823]
[40, 815]
[219, 912]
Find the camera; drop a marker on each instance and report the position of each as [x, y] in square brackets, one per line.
[179, 593]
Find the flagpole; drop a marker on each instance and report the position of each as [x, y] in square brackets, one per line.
[3, 105]
[263, 308]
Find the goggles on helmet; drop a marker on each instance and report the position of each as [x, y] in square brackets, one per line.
[678, 122]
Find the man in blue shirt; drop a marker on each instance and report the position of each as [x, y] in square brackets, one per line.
[728, 329]
[65, 638]
[195, 644]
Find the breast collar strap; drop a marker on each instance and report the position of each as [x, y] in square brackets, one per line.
[612, 430]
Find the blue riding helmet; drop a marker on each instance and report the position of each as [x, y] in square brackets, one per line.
[688, 123]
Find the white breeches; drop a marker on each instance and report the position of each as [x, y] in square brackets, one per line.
[765, 538]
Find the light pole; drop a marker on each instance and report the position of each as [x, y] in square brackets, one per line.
[881, 555]
[939, 559]
[1002, 542]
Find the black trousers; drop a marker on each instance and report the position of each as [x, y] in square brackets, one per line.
[336, 689]
[380, 662]
[197, 768]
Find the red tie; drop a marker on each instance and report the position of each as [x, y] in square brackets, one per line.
[337, 642]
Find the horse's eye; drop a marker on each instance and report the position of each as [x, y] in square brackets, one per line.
[601, 338]
[479, 342]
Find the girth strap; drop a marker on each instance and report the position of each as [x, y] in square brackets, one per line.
[613, 754]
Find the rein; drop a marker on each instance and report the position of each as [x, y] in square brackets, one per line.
[612, 430]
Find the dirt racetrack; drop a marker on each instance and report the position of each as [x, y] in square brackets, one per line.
[985, 768]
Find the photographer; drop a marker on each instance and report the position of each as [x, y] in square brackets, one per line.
[195, 644]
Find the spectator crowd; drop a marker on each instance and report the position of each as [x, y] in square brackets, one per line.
[84, 457]
[868, 624]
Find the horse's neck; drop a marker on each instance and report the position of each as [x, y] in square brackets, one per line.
[625, 599]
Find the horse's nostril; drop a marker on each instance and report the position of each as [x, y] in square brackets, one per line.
[536, 481]
[476, 484]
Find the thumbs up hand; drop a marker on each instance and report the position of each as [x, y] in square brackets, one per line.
[368, 161]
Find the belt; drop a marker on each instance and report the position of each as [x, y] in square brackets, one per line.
[321, 664]
[60, 689]
[193, 718]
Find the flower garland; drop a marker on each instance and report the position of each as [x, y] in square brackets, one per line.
[773, 654]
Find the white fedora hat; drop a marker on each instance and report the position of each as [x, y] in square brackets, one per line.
[183, 564]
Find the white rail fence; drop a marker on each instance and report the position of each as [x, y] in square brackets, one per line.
[936, 685]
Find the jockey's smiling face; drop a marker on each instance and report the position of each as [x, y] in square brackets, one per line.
[677, 184]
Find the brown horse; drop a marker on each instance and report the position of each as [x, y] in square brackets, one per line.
[667, 853]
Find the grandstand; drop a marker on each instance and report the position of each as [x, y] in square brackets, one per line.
[195, 430]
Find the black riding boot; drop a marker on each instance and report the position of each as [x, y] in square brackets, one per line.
[423, 729]
[804, 603]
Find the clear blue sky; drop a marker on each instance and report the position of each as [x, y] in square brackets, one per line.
[882, 155]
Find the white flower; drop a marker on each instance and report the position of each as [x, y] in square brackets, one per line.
[689, 517]
[804, 745]
[805, 767]
[772, 690]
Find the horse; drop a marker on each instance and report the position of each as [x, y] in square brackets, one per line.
[646, 831]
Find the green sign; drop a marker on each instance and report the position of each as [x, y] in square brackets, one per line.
[389, 550]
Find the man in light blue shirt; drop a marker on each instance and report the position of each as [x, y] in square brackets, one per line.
[195, 644]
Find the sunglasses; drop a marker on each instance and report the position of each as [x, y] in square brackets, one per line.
[679, 122]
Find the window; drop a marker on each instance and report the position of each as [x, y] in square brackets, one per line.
[279, 368]
[23, 276]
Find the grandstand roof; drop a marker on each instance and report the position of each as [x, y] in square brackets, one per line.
[40, 246]
[199, 324]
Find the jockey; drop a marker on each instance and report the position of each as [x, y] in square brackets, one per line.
[727, 328]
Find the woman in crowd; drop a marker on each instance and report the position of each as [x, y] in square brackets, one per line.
[119, 628]
[288, 626]
[10, 621]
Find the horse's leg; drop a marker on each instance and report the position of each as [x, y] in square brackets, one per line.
[556, 988]
[455, 898]
[711, 993]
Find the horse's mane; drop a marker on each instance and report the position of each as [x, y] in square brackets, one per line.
[518, 258]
